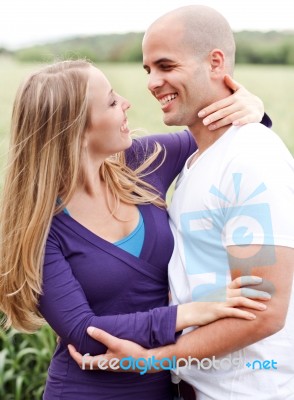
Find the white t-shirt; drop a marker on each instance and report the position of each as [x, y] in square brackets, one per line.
[239, 191]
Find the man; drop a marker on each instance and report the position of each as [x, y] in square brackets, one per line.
[232, 214]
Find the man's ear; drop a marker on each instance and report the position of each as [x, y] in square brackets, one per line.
[217, 62]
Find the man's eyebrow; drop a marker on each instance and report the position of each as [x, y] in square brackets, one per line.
[161, 60]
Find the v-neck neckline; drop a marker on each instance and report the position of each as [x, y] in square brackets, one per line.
[140, 263]
[83, 231]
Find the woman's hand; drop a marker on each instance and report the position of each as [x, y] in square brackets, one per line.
[241, 287]
[239, 108]
[238, 295]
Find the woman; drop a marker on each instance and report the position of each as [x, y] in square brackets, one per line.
[78, 186]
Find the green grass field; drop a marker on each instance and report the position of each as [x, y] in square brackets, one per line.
[271, 83]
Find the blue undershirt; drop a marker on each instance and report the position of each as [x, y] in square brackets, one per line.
[132, 243]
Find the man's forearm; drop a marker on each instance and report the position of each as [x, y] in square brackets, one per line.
[228, 335]
[216, 339]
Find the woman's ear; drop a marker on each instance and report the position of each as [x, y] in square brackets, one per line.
[217, 61]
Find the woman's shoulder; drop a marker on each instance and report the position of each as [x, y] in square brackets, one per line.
[60, 229]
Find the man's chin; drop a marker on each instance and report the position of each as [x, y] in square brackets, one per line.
[170, 121]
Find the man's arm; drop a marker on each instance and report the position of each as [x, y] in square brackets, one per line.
[225, 335]
[228, 335]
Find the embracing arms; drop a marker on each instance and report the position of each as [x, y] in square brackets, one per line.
[220, 337]
[66, 308]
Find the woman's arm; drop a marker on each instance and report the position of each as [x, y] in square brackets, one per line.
[176, 149]
[239, 293]
[65, 307]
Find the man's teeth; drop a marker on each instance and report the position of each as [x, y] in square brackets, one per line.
[167, 98]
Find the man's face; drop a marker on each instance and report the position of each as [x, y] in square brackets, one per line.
[178, 80]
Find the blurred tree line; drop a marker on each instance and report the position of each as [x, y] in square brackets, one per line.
[253, 47]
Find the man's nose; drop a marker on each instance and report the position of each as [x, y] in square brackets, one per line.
[155, 81]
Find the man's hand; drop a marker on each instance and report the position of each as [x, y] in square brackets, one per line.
[117, 349]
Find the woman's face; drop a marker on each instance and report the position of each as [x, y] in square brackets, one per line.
[108, 132]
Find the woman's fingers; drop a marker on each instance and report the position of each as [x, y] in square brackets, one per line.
[244, 281]
[216, 110]
[255, 294]
[231, 83]
[232, 110]
[230, 308]
[236, 114]
[238, 288]
[245, 302]
[249, 293]
[237, 118]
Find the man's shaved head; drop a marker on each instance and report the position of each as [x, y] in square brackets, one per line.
[200, 28]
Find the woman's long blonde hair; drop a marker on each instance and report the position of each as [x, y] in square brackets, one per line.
[50, 116]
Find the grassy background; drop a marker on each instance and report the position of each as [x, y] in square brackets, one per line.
[271, 83]
[24, 358]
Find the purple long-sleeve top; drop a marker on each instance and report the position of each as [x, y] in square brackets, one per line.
[88, 281]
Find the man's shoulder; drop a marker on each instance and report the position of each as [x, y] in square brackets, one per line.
[255, 132]
[258, 151]
[257, 140]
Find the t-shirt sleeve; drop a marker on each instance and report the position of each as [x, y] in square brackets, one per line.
[64, 306]
[177, 147]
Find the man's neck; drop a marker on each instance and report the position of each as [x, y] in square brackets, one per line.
[204, 138]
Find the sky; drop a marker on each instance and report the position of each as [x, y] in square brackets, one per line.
[27, 22]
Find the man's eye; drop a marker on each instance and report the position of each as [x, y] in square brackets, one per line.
[114, 103]
[166, 67]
